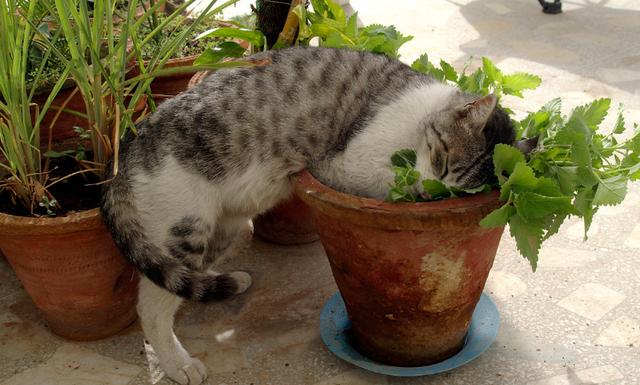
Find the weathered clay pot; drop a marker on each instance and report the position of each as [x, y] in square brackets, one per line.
[289, 223]
[164, 87]
[197, 78]
[66, 121]
[410, 274]
[73, 271]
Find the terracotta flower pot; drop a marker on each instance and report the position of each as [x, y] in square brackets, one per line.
[289, 223]
[66, 121]
[410, 274]
[73, 271]
[164, 87]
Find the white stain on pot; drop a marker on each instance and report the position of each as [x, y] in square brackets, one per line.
[440, 279]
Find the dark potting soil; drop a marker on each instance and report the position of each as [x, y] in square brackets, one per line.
[73, 194]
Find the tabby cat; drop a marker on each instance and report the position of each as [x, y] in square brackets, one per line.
[215, 156]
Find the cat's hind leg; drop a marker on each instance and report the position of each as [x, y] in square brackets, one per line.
[157, 308]
[232, 236]
[169, 247]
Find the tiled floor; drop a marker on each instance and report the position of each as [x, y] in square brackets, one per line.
[575, 321]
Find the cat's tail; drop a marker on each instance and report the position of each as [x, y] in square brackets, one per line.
[121, 217]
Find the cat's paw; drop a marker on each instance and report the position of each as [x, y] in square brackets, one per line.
[243, 280]
[194, 372]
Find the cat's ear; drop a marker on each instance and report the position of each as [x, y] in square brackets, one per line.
[527, 145]
[477, 113]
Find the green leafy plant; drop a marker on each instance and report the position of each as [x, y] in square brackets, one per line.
[97, 51]
[327, 22]
[573, 169]
[330, 25]
[21, 160]
[484, 80]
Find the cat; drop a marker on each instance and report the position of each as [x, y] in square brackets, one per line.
[217, 155]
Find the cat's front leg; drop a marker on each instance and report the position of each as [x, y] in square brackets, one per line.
[156, 308]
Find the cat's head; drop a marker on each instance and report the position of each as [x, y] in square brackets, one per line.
[458, 140]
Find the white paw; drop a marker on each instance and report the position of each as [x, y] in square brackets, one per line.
[193, 373]
[243, 279]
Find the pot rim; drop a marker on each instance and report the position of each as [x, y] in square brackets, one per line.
[401, 215]
[197, 78]
[75, 221]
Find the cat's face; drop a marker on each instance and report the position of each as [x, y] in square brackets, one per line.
[458, 141]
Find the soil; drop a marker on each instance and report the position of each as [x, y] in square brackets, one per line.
[190, 47]
[73, 194]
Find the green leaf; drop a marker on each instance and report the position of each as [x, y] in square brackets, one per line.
[553, 225]
[448, 71]
[482, 188]
[534, 123]
[251, 36]
[493, 74]
[528, 237]
[435, 189]
[336, 11]
[619, 127]
[352, 26]
[548, 187]
[56, 154]
[585, 176]
[505, 158]
[334, 40]
[592, 114]
[397, 195]
[378, 29]
[224, 50]
[404, 158]
[320, 6]
[422, 64]
[498, 217]
[584, 203]
[566, 177]
[610, 191]
[536, 206]
[514, 84]
[553, 107]
[522, 179]
[412, 177]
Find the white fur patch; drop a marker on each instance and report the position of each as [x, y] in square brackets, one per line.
[364, 168]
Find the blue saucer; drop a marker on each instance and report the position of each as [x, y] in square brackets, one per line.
[334, 323]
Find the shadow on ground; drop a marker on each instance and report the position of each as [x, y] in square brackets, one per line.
[584, 40]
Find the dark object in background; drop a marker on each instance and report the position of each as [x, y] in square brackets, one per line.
[552, 8]
[271, 15]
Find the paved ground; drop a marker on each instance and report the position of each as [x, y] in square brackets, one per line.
[575, 321]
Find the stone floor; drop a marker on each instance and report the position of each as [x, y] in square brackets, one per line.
[575, 321]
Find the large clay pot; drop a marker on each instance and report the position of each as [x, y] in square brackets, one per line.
[410, 274]
[289, 223]
[73, 271]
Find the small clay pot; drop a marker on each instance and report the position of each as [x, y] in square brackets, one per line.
[410, 274]
[65, 121]
[289, 223]
[164, 87]
[73, 271]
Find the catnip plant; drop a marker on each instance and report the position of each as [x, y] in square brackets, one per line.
[574, 168]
